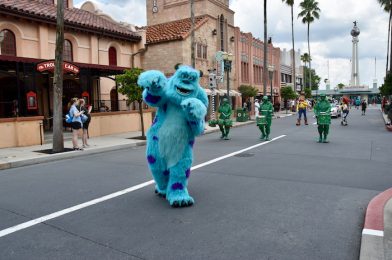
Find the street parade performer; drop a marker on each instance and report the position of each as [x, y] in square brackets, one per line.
[224, 121]
[322, 111]
[301, 108]
[182, 106]
[264, 120]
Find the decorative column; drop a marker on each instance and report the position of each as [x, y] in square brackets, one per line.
[355, 59]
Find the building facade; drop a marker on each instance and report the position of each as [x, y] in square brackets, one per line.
[286, 66]
[95, 49]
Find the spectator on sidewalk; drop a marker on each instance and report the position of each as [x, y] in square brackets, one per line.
[76, 124]
[86, 121]
[257, 106]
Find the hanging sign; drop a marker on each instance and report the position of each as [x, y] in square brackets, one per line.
[50, 65]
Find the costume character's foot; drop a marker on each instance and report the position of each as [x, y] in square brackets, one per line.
[160, 193]
[267, 138]
[180, 200]
[325, 140]
[227, 138]
[320, 140]
[306, 122]
[298, 122]
[262, 137]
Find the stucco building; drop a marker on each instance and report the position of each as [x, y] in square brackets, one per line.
[286, 67]
[95, 48]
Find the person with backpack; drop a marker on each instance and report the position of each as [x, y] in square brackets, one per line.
[364, 106]
[86, 119]
[76, 122]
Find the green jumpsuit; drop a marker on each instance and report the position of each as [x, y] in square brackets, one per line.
[322, 111]
[266, 109]
[224, 121]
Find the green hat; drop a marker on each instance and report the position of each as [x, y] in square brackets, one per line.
[323, 95]
[265, 98]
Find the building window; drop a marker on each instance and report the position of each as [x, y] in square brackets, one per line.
[112, 56]
[66, 4]
[245, 71]
[68, 54]
[222, 32]
[8, 46]
[201, 51]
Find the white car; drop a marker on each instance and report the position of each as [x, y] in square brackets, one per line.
[336, 111]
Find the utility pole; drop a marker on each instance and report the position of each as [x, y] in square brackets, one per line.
[193, 33]
[265, 70]
[58, 139]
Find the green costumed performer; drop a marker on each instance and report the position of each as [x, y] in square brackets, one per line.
[264, 121]
[224, 121]
[322, 111]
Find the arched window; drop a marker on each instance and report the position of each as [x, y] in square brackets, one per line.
[112, 56]
[67, 53]
[222, 32]
[8, 45]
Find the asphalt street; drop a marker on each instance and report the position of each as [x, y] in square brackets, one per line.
[292, 198]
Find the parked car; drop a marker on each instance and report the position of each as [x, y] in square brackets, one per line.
[336, 111]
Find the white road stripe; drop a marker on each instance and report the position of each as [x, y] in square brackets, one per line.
[63, 212]
[372, 232]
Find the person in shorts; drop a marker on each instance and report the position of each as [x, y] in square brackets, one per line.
[76, 123]
[86, 122]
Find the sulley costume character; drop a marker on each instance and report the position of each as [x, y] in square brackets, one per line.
[182, 106]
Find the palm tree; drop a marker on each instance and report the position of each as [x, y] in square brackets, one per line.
[387, 5]
[305, 58]
[310, 12]
[291, 4]
[265, 70]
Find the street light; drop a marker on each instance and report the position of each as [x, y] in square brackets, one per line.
[271, 69]
[227, 59]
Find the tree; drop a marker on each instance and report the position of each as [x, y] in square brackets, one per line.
[128, 86]
[386, 88]
[315, 79]
[310, 12]
[265, 74]
[387, 5]
[58, 138]
[291, 4]
[287, 93]
[308, 93]
[340, 86]
[305, 58]
[247, 91]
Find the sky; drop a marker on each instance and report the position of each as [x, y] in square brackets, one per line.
[330, 39]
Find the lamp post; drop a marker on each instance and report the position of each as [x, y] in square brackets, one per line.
[2, 36]
[271, 69]
[228, 59]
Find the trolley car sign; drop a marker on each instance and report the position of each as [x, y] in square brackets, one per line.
[50, 65]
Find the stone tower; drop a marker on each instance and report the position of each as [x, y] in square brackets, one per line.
[162, 11]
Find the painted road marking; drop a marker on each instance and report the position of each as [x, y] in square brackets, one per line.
[63, 212]
[372, 232]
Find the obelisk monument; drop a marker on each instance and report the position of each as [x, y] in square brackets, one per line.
[355, 59]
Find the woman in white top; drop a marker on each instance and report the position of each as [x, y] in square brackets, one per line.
[257, 106]
[76, 122]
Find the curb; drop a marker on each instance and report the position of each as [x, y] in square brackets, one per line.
[387, 126]
[372, 244]
[67, 155]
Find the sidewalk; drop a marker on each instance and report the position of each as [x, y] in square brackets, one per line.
[23, 156]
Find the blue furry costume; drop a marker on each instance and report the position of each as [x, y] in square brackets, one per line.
[182, 105]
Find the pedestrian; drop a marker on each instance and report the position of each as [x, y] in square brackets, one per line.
[249, 105]
[364, 106]
[257, 106]
[76, 123]
[86, 119]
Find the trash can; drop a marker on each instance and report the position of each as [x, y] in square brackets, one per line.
[242, 115]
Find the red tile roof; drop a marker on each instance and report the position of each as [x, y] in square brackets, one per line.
[172, 31]
[74, 18]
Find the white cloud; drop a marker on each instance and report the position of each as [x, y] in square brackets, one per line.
[330, 38]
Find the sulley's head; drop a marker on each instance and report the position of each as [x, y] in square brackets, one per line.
[184, 84]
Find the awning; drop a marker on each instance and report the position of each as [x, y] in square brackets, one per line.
[235, 93]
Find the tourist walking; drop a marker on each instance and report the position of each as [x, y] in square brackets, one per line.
[364, 106]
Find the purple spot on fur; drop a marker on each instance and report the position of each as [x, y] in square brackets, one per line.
[188, 173]
[151, 159]
[166, 173]
[152, 99]
[155, 138]
[165, 107]
[192, 143]
[177, 186]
